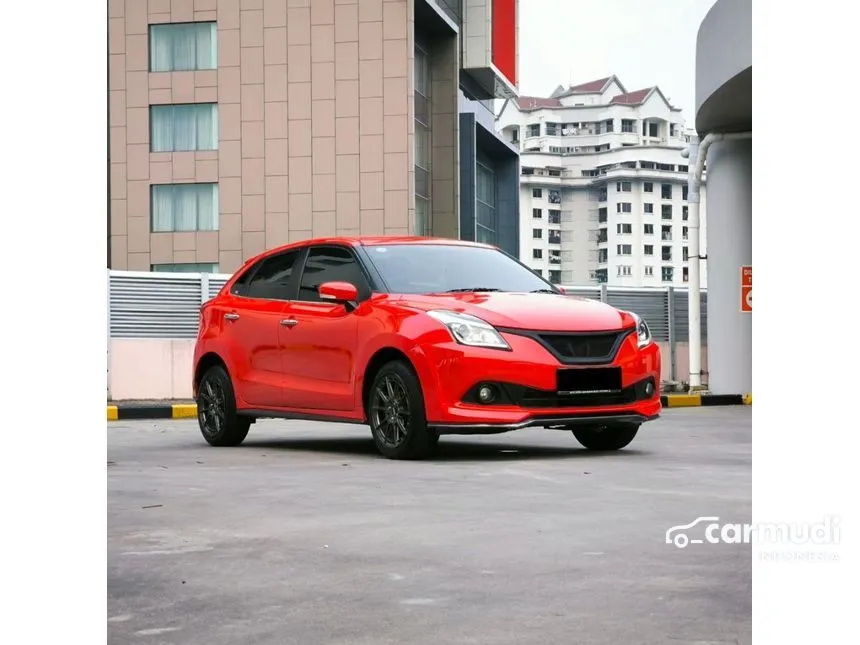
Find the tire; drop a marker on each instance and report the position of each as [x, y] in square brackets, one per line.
[216, 410]
[399, 429]
[607, 437]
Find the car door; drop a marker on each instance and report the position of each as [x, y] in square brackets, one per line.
[320, 339]
[253, 318]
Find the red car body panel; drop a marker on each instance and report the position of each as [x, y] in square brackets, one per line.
[311, 359]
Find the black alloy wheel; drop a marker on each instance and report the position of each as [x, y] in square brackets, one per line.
[216, 410]
[395, 411]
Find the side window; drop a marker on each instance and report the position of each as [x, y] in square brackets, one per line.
[240, 287]
[330, 264]
[274, 277]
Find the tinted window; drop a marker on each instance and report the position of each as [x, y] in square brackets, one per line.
[272, 279]
[330, 264]
[435, 268]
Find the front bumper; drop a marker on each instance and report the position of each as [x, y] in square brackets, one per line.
[525, 378]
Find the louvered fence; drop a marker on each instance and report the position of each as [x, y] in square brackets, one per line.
[167, 305]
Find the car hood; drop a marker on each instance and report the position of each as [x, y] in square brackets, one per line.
[527, 311]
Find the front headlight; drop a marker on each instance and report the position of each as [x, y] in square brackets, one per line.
[643, 334]
[469, 330]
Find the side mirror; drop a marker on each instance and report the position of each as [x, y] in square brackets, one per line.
[561, 290]
[340, 292]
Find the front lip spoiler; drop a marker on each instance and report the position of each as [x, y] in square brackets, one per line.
[546, 422]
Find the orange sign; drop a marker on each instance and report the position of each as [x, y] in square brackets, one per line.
[746, 289]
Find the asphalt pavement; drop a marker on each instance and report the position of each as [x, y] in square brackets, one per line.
[305, 535]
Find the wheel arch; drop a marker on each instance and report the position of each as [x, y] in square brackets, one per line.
[380, 357]
[207, 361]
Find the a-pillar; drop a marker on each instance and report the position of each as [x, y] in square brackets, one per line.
[729, 247]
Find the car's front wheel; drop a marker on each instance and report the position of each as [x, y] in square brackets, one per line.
[395, 411]
[216, 410]
[605, 437]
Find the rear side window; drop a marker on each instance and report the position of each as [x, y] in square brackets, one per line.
[331, 264]
[273, 280]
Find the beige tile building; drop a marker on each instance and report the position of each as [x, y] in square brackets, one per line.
[239, 125]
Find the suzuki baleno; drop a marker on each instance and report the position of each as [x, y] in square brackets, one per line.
[417, 338]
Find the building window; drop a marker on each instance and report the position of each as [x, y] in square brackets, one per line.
[602, 214]
[649, 249]
[624, 271]
[183, 47]
[624, 249]
[537, 254]
[628, 125]
[554, 196]
[666, 211]
[623, 186]
[649, 229]
[186, 267]
[685, 274]
[184, 207]
[602, 256]
[554, 276]
[685, 191]
[554, 217]
[533, 130]
[624, 229]
[682, 168]
[649, 208]
[175, 128]
[624, 207]
[649, 271]
[685, 213]
[551, 129]
[422, 142]
[537, 212]
[537, 193]
[685, 254]
[666, 191]
[667, 254]
[485, 216]
[648, 187]
[667, 274]
[685, 232]
[554, 237]
[537, 233]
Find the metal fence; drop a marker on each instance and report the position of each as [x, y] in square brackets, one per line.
[167, 305]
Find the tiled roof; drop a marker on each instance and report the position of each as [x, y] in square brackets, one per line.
[536, 103]
[632, 98]
[590, 86]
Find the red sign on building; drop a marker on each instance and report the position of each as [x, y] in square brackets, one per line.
[746, 289]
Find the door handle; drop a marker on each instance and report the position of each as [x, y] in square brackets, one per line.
[289, 322]
[231, 317]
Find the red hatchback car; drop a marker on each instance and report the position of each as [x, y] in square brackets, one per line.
[418, 337]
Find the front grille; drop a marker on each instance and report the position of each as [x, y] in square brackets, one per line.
[591, 347]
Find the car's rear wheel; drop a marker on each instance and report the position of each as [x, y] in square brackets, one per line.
[216, 410]
[605, 437]
[395, 411]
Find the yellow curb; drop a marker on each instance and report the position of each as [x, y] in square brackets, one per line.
[112, 413]
[748, 399]
[683, 400]
[184, 410]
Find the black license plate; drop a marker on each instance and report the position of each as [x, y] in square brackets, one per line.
[589, 380]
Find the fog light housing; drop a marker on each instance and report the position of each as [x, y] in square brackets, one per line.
[486, 393]
[649, 389]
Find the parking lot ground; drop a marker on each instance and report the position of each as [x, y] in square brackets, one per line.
[304, 535]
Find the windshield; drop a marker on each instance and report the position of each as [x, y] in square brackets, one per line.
[438, 268]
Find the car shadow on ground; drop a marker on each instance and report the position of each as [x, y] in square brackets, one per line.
[448, 449]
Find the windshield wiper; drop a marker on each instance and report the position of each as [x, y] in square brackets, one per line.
[543, 291]
[467, 289]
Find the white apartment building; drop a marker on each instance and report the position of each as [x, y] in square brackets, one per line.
[603, 185]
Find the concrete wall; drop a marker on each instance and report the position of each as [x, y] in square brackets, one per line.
[162, 369]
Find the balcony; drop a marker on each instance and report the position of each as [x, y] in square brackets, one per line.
[554, 259]
[554, 237]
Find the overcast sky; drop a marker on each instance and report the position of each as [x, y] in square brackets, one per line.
[643, 42]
